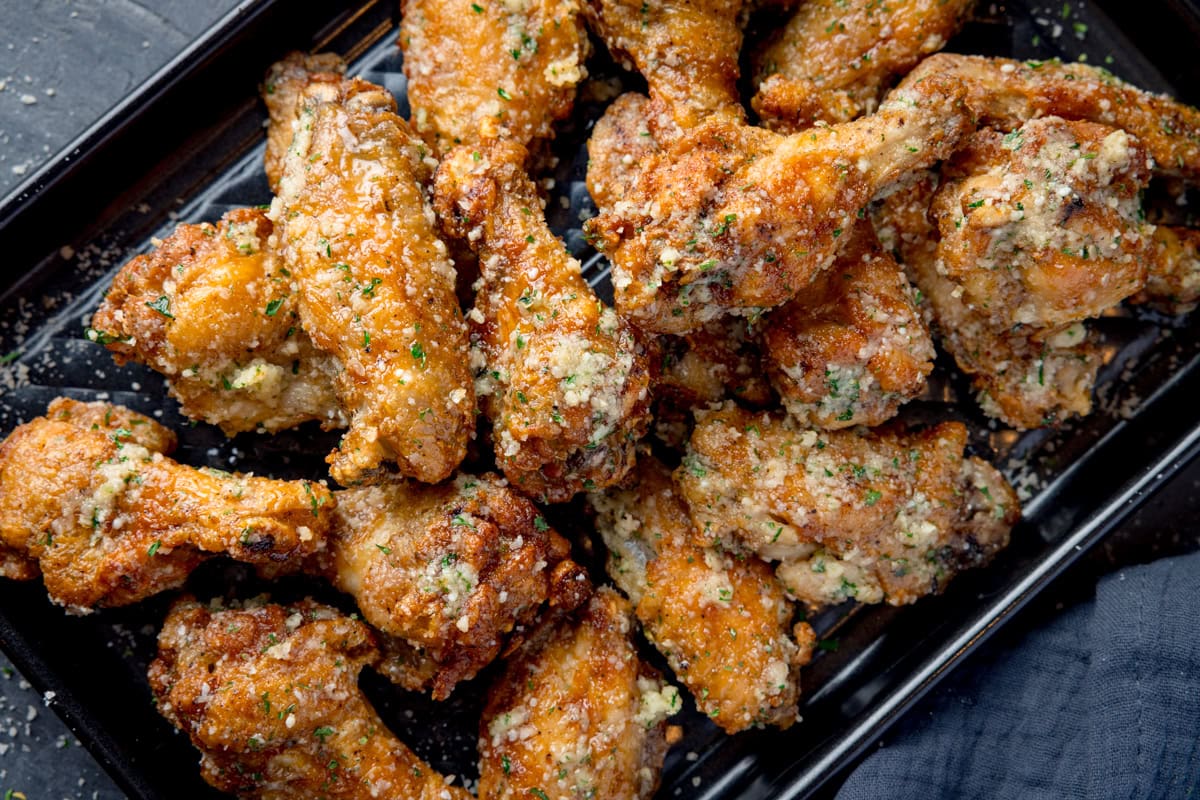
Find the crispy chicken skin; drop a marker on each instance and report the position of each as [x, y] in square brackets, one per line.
[734, 219]
[1002, 94]
[687, 51]
[213, 309]
[852, 346]
[283, 91]
[564, 380]
[1040, 229]
[1173, 273]
[576, 714]
[720, 360]
[885, 515]
[375, 284]
[834, 59]
[722, 621]
[88, 493]
[269, 695]
[450, 569]
[622, 142]
[484, 69]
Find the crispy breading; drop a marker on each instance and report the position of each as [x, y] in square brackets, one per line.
[564, 380]
[877, 516]
[721, 360]
[622, 142]
[730, 219]
[88, 493]
[576, 714]
[214, 310]
[851, 347]
[688, 52]
[450, 569]
[490, 68]
[1173, 272]
[375, 284]
[269, 695]
[283, 92]
[833, 59]
[722, 621]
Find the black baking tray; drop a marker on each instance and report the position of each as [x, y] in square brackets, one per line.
[187, 145]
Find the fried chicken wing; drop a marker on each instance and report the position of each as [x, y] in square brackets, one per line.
[720, 360]
[723, 622]
[484, 69]
[1002, 94]
[885, 515]
[213, 310]
[564, 380]
[375, 285]
[834, 59]
[450, 569]
[88, 493]
[731, 219]
[852, 346]
[1173, 272]
[283, 92]
[576, 714]
[623, 140]
[269, 695]
[688, 52]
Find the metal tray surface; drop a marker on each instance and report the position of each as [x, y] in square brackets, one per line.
[188, 147]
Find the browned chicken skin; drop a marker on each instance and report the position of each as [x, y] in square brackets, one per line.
[1173, 273]
[722, 621]
[576, 714]
[375, 284]
[730, 219]
[269, 695]
[490, 68]
[450, 569]
[214, 310]
[564, 380]
[852, 346]
[876, 516]
[87, 493]
[283, 91]
[834, 58]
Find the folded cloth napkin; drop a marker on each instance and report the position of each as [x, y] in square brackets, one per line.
[1102, 701]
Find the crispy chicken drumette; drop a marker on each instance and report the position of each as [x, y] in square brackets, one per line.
[730, 219]
[576, 714]
[722, 621]
[283, 91]
[563, 379]
[269, 695]
[479, 70]
[213, 309]
[87, 493]
[375, 285]
[450, 569]
[884, 515]
[834, 59]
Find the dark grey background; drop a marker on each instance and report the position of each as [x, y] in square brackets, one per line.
[62, 64]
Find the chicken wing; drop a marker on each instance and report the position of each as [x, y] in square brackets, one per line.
[450, 569]
[269, 695]
[375, 285]
[484, 69]
[213, 310]
[88, 493]
[730, 219]
[623, 140]
[576, 714]
[688, 52]
[885, 515]
[564, 380]
[723, 623]
[1173, 273]
[834, 59]
[283, 91]
[852, 346]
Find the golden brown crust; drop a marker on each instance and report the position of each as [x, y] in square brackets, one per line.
[1173, 273]
[622, 142]
[564, 380]
[451, 569]
[376, 285]
[722, 621]
[576, 714]
[213, 309]
[269, 695]
[721, 360]
[283, 92]
[884, 515]
[90, 496]
[478, 70]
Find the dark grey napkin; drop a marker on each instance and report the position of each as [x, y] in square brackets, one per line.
[1103, 701]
